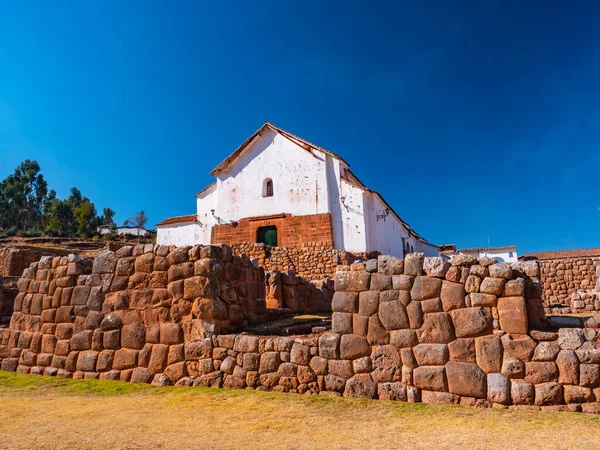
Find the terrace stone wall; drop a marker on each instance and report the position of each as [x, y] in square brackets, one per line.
[570, 284]
[420, 329]
[14, 260]
[312, 261]
[287, 290]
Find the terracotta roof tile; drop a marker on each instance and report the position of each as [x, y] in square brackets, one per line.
[178, 219]
[563, 254]
[487, 249]
[206, 189]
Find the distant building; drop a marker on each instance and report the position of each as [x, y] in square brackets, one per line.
[284, 191]
[124, 231]
[501, 254]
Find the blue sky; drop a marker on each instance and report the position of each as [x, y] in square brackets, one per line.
[476, 119]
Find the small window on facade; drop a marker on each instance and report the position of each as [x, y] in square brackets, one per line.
[268, 188]
[510, 254]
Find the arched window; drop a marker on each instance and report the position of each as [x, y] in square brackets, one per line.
[268, 188]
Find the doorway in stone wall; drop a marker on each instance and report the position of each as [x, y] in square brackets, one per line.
[267, 236]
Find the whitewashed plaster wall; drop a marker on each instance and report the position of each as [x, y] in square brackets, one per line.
[353, 217]
[385, 234]
[505, 254]
[181, 234]
[299, 181]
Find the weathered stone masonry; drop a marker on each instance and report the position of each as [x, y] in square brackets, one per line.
[292, 231]
[311, 261]
[14, 260]
[414, 330]
[563, 278]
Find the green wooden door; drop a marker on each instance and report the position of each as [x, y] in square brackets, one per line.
[267, 235]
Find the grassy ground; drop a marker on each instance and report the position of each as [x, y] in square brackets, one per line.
[40, 412]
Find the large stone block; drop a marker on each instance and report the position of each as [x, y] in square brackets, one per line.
[390, 265]
[345, 302]
[489, 353]
[466, 379]
[512, 367]
[402, 282]
[540, 372]
[522, 392]
[329, 345]
[125, 359]
[426, 287]
[360, 386]
[415, 315]
[463, 350]
[501, 270]
[568, 367]
[393, 316]
[546, 351]
[431, 354]
[498, 388]
[300, 353]
[392, 391]
[105, 262]
[520, 346]
[430, 378]
[386, 363]
[133, 336]
[403, 338]
[342, 323]
[470, 322]
[491, 285]
[368, 303]
[512, 312]
[269, 362]
[377, 334]
[413, 264]
[435, 266]
[352, 347]
[548, 394]
[589, 375]
[245, 343]
[452, 295]
[358, 281]
[437, 329]
[86, 361]
[464, 260]
[380, 282]
[570, 338]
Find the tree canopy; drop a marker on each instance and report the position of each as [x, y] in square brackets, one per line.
[26, 205]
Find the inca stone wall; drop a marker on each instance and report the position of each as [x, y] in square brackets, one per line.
[14, 260]
[570, 282]
[286, 290]
[312, 261]
[473, 333]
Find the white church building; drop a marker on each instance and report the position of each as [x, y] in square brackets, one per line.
[282, 190]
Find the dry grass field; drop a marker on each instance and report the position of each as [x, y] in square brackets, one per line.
[42, 413]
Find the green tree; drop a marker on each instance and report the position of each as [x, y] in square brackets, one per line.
[85, 217]
[108, 216]
[60, 218]
[22, 197]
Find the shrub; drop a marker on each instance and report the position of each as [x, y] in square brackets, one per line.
[109, 237]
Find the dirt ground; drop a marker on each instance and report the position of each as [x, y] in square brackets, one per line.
[43, 413]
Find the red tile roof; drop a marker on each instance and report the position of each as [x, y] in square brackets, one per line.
[178, 219]
[206, 189]
[563, 254]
